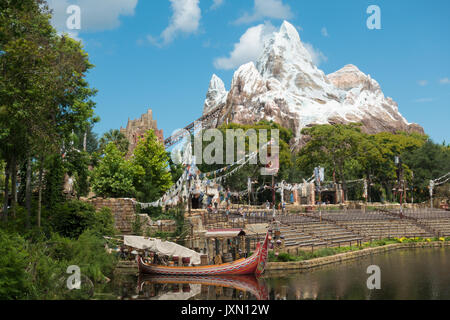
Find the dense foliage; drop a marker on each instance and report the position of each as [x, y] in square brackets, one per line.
[114, 175]
[145, 176]
[46, 118]
[44, 96]
[347, 153]
[239, 181]
[116, 137]
[33, 265]
[151, 156]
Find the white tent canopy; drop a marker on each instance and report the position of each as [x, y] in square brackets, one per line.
[224, 233]
[162, 247]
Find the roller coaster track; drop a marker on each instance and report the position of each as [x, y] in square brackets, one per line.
[204, 121]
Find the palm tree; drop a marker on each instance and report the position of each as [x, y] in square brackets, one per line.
[117, 137]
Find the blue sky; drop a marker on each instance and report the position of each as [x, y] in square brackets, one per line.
[161, 54]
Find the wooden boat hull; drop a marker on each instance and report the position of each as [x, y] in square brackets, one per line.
[252, 265]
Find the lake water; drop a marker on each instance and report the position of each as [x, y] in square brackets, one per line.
[405, 274]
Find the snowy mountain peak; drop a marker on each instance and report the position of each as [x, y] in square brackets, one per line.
[289, 32]
[216, 84]
[216, 95]
[286, 59]
[350, 77]
[248, 80]
[285, 86]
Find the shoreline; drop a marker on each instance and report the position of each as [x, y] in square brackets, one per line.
[272, 268]
[307, 265]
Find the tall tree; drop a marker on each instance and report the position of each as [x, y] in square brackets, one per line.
[115, 176]
[152, 157]
[43, 92]
[332, 146]
[117, 137]
[429, 162]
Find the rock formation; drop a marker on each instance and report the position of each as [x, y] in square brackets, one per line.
[285, 86]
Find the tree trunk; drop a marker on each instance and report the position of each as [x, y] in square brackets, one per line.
[368, 188]
[13, 186]
[85, 141]
[6, 197]
[344, 183]
[41, 169]
[28, 192]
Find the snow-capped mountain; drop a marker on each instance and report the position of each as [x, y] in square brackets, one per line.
[285, 86]
[217, 94]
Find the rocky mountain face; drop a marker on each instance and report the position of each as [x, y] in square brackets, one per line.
[285, 86]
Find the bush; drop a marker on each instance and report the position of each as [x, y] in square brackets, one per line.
[14, 280]
[90, 255]
[285, 257]
[72, 218]
[37, 270]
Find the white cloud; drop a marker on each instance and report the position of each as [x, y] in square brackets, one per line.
[217, 3]
[324, 32]
[317, 56]
[185, 19]
[96, 15]
[249, 47]
[422, 83]
[267, 9]
[444, 81]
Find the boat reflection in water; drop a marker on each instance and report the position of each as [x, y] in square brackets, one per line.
[166, 287]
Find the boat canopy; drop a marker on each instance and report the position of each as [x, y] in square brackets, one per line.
[224, 233]
[162, 247]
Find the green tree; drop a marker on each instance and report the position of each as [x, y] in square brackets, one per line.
[117, 137]
[151, 155]
[176, 170]
[43, 92]
[115, 176]
[334, 147]
[54, 181]
[428, 162]
[87, 139]
[239, 180]
[391, 145]
[77, 164]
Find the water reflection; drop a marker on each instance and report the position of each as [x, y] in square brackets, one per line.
[201, 288]
[407, 274]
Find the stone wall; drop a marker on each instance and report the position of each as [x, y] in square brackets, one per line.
[122, 210]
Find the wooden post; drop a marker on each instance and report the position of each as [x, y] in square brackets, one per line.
[273, 193]
[189, 195]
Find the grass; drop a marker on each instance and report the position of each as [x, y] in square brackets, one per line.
[326, 252]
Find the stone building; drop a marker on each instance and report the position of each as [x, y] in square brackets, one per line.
[137, 128]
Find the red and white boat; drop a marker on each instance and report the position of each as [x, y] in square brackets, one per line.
[254, 264]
